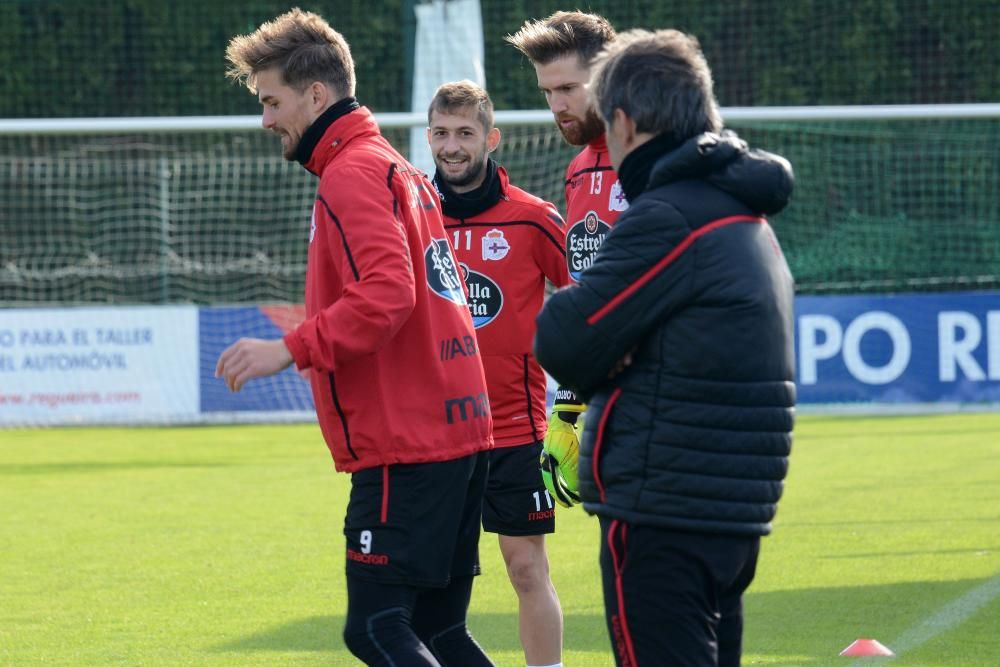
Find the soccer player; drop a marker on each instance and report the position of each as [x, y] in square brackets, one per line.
[507, 242]
[561, 49]
[685, 450]
[395, 369]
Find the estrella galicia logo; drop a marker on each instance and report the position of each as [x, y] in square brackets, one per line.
[583, 240]
[442, 274]
[485, 297]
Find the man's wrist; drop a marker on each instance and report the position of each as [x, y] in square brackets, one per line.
[568, 417]
[567, 406]
[286, 355]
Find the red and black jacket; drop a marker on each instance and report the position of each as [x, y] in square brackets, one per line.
[508, 242]
[397, 375]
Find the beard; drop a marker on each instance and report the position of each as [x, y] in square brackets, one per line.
[472, 172]
[584, 131]
[289, 146]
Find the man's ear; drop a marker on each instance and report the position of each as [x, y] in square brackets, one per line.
[492, 139]
[624, 129]
[320, 96]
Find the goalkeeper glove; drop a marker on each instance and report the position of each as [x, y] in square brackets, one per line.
[561, 449]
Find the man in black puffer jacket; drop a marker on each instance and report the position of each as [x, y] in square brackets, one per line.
[680, 337]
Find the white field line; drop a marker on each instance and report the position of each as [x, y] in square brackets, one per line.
[949, 616]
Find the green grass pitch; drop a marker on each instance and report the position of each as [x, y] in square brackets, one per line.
[223, 546]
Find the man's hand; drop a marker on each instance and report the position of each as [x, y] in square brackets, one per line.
[621, 365]
[561, 449]
[250, 358]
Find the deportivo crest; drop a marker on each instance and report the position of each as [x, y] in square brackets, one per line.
[485, 297]
[495, 246]
[617, 201]
[583, 240]
[442, 274]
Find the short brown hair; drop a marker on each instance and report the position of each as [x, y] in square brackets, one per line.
[562, 34]
[660, 79]
[458, 95]
[302, 45]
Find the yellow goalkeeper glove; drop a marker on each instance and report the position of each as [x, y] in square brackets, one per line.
[561, 449]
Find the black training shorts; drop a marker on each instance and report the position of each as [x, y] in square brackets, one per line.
[416, 524]
[516, 502]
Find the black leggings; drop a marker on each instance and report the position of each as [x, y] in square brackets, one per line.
[403, 626]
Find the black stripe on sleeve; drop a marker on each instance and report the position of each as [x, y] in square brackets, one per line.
[343, 237]
[587, 171]
[527, 394]
[388, 184]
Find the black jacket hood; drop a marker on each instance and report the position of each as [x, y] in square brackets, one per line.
[761, 180]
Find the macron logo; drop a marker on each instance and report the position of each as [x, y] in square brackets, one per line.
[479, 406]
[367, 559]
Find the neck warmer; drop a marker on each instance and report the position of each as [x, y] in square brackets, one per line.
[464, 205]
[637, 165]
[315, 132]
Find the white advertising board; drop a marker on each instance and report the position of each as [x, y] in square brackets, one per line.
[98, 365]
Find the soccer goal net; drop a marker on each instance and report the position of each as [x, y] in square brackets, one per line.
[206, 211]
[192, 213]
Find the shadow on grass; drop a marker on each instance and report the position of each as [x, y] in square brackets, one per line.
[812, 626]
[494, 632]
[88, 467]
[800, 627]
[314, 633]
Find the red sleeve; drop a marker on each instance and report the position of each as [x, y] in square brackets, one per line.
[550, 253]
[379, 289]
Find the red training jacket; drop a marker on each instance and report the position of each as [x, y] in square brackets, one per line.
[397, 376]
[506, 253]
[594, 200]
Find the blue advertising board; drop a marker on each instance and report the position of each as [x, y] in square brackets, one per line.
[218, 328]
[911, 348]
[908, 349]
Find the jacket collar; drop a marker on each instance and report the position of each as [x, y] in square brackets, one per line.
[634, 171]
[599, 144]
[337, 133]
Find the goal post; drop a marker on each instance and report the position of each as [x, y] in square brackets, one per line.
[408, 119]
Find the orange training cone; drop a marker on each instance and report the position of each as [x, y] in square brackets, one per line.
[866, 647]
